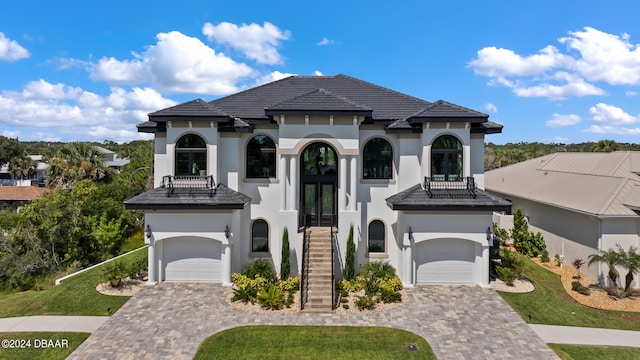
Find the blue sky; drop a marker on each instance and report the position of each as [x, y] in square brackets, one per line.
[549, 71]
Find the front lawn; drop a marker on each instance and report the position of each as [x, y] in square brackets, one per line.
[549, 304]
[74, 296]
[313, 342]
[39, 345]
[582, 352]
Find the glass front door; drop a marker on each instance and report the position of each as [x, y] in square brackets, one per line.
[318, 179]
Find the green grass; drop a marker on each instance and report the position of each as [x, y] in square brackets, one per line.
[313, 342]
[582, 352]
[550, 304]
[74, 296]
[36, 342]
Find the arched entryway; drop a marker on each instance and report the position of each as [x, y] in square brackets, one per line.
[318, 185]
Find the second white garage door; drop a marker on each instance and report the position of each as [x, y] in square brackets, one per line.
[445, 261]
[192, 260]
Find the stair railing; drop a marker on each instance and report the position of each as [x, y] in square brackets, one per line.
[304, 276]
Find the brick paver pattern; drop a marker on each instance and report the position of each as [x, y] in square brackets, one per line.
[171, 320]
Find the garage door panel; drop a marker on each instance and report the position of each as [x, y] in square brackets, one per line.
[445, 261]
[192, 260]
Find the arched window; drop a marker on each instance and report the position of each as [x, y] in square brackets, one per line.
[446, 159]
[261, 157]
[191, 156]
[377, 160]
[260, 236]
[376, 237]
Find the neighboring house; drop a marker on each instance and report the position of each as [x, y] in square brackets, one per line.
[12, 198]
[580, 202]
[37, 178]
[111, 159]
[319, 151]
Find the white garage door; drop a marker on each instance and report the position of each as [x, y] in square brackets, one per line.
[445, 261]
[192, 260]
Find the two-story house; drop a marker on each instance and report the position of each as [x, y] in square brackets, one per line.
[325, 151]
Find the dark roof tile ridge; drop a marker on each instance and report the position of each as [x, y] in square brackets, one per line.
[386, 89]
[326, 92]
[241, 92]
[445, 102]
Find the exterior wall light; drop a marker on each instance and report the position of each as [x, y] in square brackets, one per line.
[227, 233]
[148, 232]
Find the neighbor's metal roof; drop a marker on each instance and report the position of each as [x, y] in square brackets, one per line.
[600, 184]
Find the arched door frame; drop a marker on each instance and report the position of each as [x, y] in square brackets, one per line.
[318, 185]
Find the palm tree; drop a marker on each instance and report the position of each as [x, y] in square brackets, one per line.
[611, 258]
[75, 162]
[630, 260]
[22, 167]
[606, 146]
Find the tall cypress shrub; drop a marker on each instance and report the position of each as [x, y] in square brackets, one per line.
[349, 263]
[285, 264]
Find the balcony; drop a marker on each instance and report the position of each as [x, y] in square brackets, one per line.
[437, 187]
[189, 185]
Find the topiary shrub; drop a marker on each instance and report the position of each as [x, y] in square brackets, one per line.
[349, 262]
[285, 264]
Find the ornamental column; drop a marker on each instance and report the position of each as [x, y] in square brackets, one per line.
[293, 178]
[353, 173]
[342, 190]
[151, 261]
[283, 182]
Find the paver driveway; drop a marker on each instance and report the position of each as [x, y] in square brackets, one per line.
[170, 321]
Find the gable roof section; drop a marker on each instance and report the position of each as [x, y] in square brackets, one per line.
[197, 109]
[319, 101]
[445, 111]
[599, 184]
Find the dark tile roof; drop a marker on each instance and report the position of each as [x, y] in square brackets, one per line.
[446, 111]
[183, 199]
[416, 198]
[191, 110]
[385, 103]
[335, 95]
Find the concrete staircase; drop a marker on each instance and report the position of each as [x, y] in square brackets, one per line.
[320, 268]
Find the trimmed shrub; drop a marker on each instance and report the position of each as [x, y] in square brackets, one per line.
[259, 267]
[365, 302]
[114, 272]
[290, 284]
[577, 286]
[505, 274]
[544, 257]
[271, 298]
[388, 296]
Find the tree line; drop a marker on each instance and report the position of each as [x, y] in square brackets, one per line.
[81, 220]
[496, 156]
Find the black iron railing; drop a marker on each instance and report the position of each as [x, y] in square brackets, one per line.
[191, 184]
[334, 248]
[304, 271]
[440, 186]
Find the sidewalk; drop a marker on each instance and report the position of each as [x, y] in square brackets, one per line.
[86, 324]
[548, 333]
[587, 336]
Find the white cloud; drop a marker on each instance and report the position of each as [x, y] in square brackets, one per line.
[605, 57]
[324, 42]
[177, 63]
[491, 107]
[559, 120]
[494, 62]
[631, 93]
[593, 56]
[606, 129]
[256, 42]
[570, 85]
[79, 113]
[273, 76]
[318, 73]
[610, 114]
[10, 50]
[11, 134]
